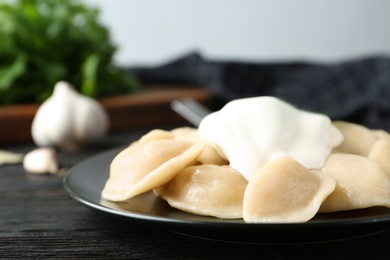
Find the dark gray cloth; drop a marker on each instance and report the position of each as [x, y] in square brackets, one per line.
[354, 90]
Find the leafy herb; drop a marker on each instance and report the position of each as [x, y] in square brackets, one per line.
[45, 41]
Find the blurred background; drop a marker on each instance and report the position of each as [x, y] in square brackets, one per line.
[327, 56]
[149, 32]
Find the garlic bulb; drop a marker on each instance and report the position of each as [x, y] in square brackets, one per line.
[41, 161]
[68, 120]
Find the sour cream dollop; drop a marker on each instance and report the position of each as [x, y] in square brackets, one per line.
[252, 132]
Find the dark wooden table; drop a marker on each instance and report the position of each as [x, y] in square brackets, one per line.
[38, 219]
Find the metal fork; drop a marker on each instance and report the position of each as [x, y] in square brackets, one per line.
[190, 109]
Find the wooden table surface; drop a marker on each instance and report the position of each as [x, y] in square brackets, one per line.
[38, 219]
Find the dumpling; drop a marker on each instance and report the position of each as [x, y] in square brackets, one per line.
[148, 164]
[186, 133]
[207, 190]
[381, 134]
[209, 155]
[380, 152]
[358, 139]
[182, 133]
[155, 134]
[285, 191]
[360, 183]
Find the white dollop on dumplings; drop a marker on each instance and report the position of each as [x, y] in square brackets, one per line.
[207, 190]
[284, 191]
[252, 132]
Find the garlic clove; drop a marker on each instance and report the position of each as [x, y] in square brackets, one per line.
[7, 157]
[68, 120]
[41, 161]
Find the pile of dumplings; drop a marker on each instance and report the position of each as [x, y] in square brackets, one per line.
[191, 176]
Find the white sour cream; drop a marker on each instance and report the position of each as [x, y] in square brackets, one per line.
[252, 132]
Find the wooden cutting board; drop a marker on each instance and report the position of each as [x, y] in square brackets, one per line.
[145, 108]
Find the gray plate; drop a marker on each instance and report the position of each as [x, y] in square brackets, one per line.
[85, 181]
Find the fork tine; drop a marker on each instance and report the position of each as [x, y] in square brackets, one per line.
[190, 109]
[197, 107]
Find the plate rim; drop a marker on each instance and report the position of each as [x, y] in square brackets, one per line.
[98, 206]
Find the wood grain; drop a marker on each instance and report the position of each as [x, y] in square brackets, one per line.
[150, 106]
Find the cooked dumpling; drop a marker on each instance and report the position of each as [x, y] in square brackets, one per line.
[358, 139]
[186, 133]
[207, 190]
[155, 134]
[181, 133]
[380, 152]
[381, 134]
[360, 183]
[148, 164]
[285, 191]
[209, 155]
